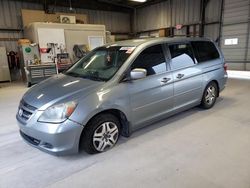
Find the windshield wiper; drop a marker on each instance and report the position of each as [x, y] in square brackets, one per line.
[95, 78]
[72, 74]
[94, 75]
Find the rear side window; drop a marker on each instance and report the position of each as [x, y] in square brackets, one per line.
[152, 59]
[182, 56]
[205, 51]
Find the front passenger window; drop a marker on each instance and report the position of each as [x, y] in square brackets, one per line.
[152, 59]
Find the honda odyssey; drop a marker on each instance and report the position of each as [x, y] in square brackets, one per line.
[118, 88]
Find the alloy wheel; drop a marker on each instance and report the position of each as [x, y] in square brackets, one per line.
[210, 95]
[105, 136]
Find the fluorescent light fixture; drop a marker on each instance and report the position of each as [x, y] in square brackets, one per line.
[139, 1]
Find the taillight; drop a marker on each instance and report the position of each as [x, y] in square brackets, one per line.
[225, 66]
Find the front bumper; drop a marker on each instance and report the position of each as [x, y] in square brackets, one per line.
[57, 139]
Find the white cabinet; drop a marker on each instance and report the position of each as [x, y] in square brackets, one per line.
[4, 67]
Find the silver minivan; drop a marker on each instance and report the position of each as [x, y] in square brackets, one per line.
[118, 88]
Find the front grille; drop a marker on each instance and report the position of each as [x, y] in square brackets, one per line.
[26, 114]
[30, 139]
[28, 106]
[25, 110]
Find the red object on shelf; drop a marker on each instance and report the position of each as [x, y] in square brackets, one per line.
[44, 50]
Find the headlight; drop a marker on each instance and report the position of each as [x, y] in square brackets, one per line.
[58, 113]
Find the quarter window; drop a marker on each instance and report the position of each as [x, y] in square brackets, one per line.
[182, 56]
[152, 59]
[205, 51]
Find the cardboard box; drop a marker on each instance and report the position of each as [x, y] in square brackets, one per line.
[162, 33]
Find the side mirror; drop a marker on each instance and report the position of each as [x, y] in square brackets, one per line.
[138, 73]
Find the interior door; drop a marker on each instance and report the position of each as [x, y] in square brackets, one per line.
[186, 74]
[152, 96]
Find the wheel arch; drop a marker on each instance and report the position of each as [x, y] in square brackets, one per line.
[125, 128]
[217, 84]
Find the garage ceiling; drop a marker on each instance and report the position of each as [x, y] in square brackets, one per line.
[130, 3]
[109, 5]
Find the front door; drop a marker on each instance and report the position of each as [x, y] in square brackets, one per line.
[152, 96]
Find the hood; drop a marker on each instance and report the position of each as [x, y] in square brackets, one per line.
[58, 88]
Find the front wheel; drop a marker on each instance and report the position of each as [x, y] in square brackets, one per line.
[209, 96]
[101, 134]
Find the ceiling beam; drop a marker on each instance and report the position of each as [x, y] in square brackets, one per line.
[116, 4]
[152, 2]
[81, 4]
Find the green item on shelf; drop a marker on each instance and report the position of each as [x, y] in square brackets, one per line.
[27, 50]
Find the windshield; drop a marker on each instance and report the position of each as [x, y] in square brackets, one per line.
[101, 64]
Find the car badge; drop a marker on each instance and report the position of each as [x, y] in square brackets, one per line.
[20, 112]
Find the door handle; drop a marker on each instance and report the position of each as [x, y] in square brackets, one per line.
[179, 76]
[165, 80]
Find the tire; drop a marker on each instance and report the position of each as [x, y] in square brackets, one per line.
[209, 96]
[100, 134]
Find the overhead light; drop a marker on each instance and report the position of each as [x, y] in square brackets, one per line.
[139, 1]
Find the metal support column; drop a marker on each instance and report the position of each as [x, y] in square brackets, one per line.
[247, 38]
[202, 17]
[221, 22]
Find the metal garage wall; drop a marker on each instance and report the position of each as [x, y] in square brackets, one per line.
[236, 25]
[10, 17]
[212, 31]
[161, 15]
[213, 11]
[212, 17]
[153, 17]
[185, 12]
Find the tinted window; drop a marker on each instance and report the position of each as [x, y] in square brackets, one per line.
[152, 59]
[205, 51]
[182, 56]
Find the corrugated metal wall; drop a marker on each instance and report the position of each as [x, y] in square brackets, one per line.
[213, 14]
[185, 12]
[153, 17]
[10, 17]
[159, 15]
[236, 25]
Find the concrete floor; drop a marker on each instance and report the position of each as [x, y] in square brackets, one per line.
[196, 148]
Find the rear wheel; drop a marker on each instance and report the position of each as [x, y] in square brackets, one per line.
[209, 96]
[101, 134]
